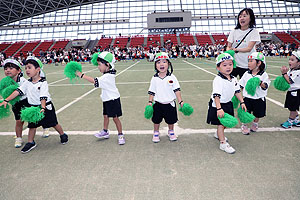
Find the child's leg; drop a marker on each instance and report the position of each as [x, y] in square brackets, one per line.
[224, 146]
[156, 127]
[118, 125]
[293, 114]
[220, 132]
[19, 128]
[59, 129]
[171, 127]
[31, 134]
[105, 122]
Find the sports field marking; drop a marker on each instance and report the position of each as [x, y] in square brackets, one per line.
[87, 93]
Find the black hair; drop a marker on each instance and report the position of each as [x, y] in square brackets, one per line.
[262, 66]
[11, 65]
[104, 62]
[33, 62]
[252, 23]
[169, 66]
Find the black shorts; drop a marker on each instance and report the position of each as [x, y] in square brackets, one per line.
[292, 100]
[238, 71]
[256, 106]
[164, 111]
[212, 117]
[112, 108]
[49, 120]
[18, 107]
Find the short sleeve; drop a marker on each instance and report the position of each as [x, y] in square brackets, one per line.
[44, 90]
[255, 36]
[152, 89]
[217, 87]
[230, 37]
[176, 85]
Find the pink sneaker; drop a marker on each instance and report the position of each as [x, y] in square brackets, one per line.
[172, 136]
[155, 137]
[254, 127]
[245, 129]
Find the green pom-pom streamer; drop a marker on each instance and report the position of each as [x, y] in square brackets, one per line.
[5, 82]
[94, 59]
[148, 112]
[235, 101]
[32, 114]
[70, 70]
[244, 116]
[186, 109]
[252, 85]
[4, 112]
[281, 84]
[7, 92]
[228, 120]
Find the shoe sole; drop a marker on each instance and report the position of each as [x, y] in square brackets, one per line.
[102, 137]
[227, 152]
[286, 127]
[29, 149]
[18, 146]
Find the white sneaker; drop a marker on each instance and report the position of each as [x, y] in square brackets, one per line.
[216, 136]
[18, 142]
[245, 129]
[45, 133]
[227, 148]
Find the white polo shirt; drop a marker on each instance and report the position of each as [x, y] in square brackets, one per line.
[260, 92]
[163, 89]
[224, 88]
[108, 85]
[294, 76]
[235, 37]
[35, 92]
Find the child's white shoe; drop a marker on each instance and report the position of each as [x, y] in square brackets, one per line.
[254, 127]
[45, 133]
[18, 142]
[245, 129]
[227, 148]
[155, 137]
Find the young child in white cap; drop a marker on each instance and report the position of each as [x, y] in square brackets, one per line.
[164, 90]
[110, 94]
[292, 100]
[256, 103]
[225, 86]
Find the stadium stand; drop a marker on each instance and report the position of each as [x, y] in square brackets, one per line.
[296, 34]
[285, 37]
[27, 47]
[203, 39]
[186, 39]
[44, 46]
[219, 38]
[121, 42]
[170, 38]
[137, 41]
[14, 48]
[4, 46]
[60, 44]
[153, 40]
[104, 42]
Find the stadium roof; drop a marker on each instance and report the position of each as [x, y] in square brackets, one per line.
[15, 10]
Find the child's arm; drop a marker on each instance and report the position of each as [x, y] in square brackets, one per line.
[240, 98]
[220, 111]
[284, 71]
[88, 78]
[178, 96]
[151, 97]
[9, 98]
[43, 105]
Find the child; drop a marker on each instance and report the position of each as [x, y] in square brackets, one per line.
[164, 89]
[36, 90]
[292, 100]
[225, 86]
[12, 68]
[243, 39]
[110, 94]
[256, 103]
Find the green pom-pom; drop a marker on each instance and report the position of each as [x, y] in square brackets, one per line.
[235, 102]
[228, 120]
[4, 112]
[252, 85]
[32, 114]
[186, 109]
[94, 59]
[281, 84]
[7, 92]
[70, 70]
[244, 116]
[5, 82]
[148, 112]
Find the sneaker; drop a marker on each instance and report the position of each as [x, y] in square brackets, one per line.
[172, 136]
[286, 124]
[155, 137]
[216, 136]
[28, 147]
[245, 129]
[227, 148]
[45, 133]
[254, 127]
[64, 138]
[18, 142]
[297, 124]
[121, 139]
[102, 134]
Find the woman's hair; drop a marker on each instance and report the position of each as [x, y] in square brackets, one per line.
[262, 66]
[11, 65]
[252, 22]
[104, 62]
[169, 66]
[33, 62]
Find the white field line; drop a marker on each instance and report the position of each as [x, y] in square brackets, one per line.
[87, 93]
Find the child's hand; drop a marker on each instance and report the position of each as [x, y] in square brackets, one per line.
[244, 107]
[3, 103]
[181, 104]
[284, 69]
[42, 110]
[220, 113]
[78, 73]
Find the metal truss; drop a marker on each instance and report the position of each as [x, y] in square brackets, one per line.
[15, 10]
